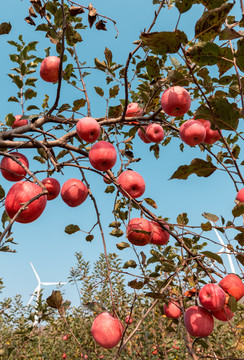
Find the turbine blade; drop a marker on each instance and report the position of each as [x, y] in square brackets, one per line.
[38, 279]
[53, 283]
[35, 291]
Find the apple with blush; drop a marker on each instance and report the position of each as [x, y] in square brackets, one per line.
[139, 231]
[176, 101]
[88, 129]
[142, 135]
[49, 69]
[74, 192]
[240, 195]
[19, 122]
[212, 297]
[20, 193]
[53, 187]
[223, 314]
[132, 182]
[198, 321]
[211, 135]
[128, 319]
[102, 155]
[160, 236]
[11, 170]
[64, 355]
[154, 133]
[232, 285]
[192, 132]
[107, 330]
[172, 310]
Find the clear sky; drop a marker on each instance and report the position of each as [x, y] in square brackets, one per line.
[44, 242]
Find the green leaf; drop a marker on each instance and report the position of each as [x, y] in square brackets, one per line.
[30, 81]
[109, 189]
[213, 256]
[232, 303]
[113, 92]
[115, 111]
[229, 34]
[240, 238]
[101, 65]
[182, 219]
[135, 284]
[117, 232]
[71, 229]
[240, 54]
[151, 203]
[238, 210]
[13, 98]
[32, 107]
[64, 107]
[226, 115]
[55, 300]
[77, 104]
[5, 218]
[130, 263]
[183, 5]
[40, 159]
[94, 306]
[99, 91]
[155, 148]
[108, 56]
[2, 192]
[223, 63]
[212, 4]
[115, 224]
[199, 167]
[89, 238]
[9, 119]
[204, 53]
[210, 217]
[17, 80]
[123, 245]
[5, 28]
[30, 93]
[164, 42]
[209, 25]
[62, 154]
[206, 227]
[154, 295]
[42, 27]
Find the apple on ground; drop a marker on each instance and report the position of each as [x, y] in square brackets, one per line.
[53, 187]
[11, 170]
[102, 155]
[154, 133]
[172, 310]
[128, 319]
[223, 314]
[19, 122]
[212, 297]
[74, 192]
[131, 182]
[192, 132]
[155, 352]
[50, 68]
[175, 101]
[232, 285]
[107, 330]
[142, 134]
[139, 231]
[21, 192]
[159, 236]
[65, 337]
[240, 195]
[211, 135]
[198, 321]
[64, 355]
[88, 129]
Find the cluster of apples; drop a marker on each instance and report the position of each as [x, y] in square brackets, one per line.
[199, 320]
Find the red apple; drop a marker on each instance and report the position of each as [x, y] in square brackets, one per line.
[198, 321]
[192, 132]
[102, 155]
[107, 330]
[20, 193]
[155, 352]
[11, 170]
[212, 297]
[132, 182]
[133, 109]
[240, 195]
[128, 319]
[139, 231]
[173, 310]
[223, 314]
[154, 133]
[64, 356]
[74, 192]
[176, 101]
[88, 129]
[211, 135]
[53, 187]
[65, 337]
[142, 135]
[49, 68]
[19, 122]
[233, 285]
[160, 236]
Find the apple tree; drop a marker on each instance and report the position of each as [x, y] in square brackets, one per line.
[172, 85]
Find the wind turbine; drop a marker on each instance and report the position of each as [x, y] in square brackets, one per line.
[38, 289]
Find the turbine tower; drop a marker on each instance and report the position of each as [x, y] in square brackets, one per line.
[38, 289]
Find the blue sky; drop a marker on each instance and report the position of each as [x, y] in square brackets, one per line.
[44, 242]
